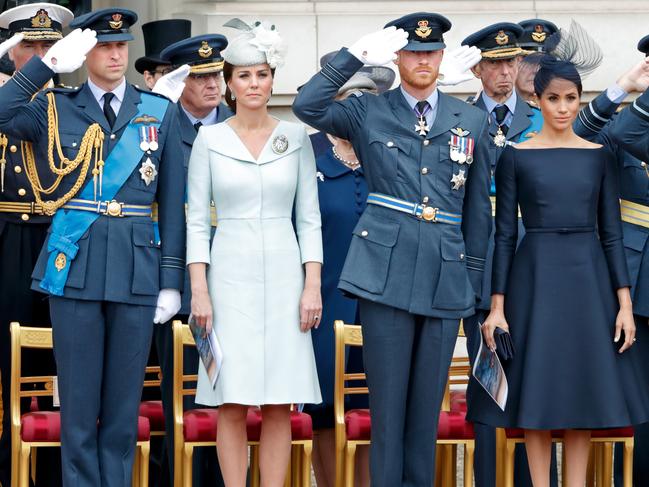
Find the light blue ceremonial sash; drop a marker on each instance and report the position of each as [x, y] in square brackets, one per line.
[69, 225]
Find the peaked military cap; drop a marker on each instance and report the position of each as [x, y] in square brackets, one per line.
[643, 45]
[202, 53]
[158, 35]
[110, 24]
[425, 30]
[497, 41]
[36, 21]
[381, 76]
[535, 33]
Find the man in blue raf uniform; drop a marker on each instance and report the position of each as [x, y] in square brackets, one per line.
[417, 254]
[511, 120]
[199, 104]
[626, 135]
[108, 274]
[159, 34]
[534, 40]
[23, 229]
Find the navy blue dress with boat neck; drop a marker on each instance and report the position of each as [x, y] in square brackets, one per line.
[560, 294]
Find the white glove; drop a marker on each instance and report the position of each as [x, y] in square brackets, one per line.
[379, 48]
[168, 305]
[68, 54]
[9, 43]
[456, 65]
[172, 84]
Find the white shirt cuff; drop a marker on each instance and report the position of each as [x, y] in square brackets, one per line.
[616, 94]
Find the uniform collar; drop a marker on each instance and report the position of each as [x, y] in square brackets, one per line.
[98, 92]
[490, 103]
[412, 101]
[210, 119]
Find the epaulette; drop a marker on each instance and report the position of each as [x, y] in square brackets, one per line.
[472, 100]
[149, 92]
[532, 104]
[64, 89]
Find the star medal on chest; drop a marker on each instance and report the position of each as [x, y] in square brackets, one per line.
[458, 180]
[148, 133]
[279, 144]
[421, 127]
[499, 138]
[148, 171]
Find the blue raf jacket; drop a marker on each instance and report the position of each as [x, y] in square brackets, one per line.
[431, 269]
[627, 135]
[119, 259]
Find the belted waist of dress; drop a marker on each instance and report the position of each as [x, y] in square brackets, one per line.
[212, 213]
[31, 208]
[588, 229]
[423, 212]
[109, 208]
[493, 207]
[634, 213]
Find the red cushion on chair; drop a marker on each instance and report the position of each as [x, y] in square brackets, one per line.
[453, 425]
[143, 429]
[626, 432]
[200, 424]
[40, 426]
[358, 424]
[153, 411]
[301, 425]
[458, 401]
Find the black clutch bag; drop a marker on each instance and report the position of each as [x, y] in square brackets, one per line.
[504, 344]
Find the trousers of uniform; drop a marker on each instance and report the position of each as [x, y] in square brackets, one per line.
[101, 351]
[205, 465]
[484, 460]
[19, 248]
[406, 359]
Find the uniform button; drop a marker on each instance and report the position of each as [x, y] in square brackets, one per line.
[364, 233]
[424, 170]
[643, 164]
[22, 192]
[24, 217]
[425, 200]
[426, 142]
[18, 169]
[461, 256]
[390, 144]
[112, 136]
[13, 148]
[74, 144]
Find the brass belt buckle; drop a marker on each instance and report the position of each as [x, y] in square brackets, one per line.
[429, 213]
[114, 208]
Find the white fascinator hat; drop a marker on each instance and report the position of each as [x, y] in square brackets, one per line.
[258, 43]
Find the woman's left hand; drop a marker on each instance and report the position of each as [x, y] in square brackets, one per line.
[625, 322]
[310, 308]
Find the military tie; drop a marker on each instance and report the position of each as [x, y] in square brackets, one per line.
[500, 112]
[421, 110]
[198, 125]
[108, 110]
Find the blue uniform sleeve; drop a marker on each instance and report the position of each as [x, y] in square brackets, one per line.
[315, 104]
[610, 226]
[506, 220]
[171, 203]
[476, 211]
[630, 128]
[594, 117]
[19, 115]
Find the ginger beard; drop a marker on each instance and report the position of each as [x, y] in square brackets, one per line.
[419, 69]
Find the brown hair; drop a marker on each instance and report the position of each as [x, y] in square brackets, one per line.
[228, 69]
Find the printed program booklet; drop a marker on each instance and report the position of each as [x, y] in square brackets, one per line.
[208, 349]
[490, 374]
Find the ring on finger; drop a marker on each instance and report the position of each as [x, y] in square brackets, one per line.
[316, 318]
[634, 340]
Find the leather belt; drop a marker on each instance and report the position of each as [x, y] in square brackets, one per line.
[425, 213]
[21, 207]
[212, 213]
[634, 213]
[109, 208]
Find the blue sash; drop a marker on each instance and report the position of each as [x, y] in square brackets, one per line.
[69, 225]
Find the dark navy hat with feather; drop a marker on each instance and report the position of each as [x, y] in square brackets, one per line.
[425, 30]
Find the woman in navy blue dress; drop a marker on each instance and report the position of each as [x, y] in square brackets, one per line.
[342, 192]
[564, 293]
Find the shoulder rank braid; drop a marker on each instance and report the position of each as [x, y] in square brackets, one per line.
[91, 143]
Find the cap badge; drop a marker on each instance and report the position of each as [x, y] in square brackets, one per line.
[423, 30]
[280, 144]
[501, 38]
[117, 22]
[41, 19]
[205, 50]
[538, 35]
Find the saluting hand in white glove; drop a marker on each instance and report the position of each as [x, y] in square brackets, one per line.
[11, 42]
[172, 84]
[167, 306]
[456, 65]
[379, 48]
[68, 54]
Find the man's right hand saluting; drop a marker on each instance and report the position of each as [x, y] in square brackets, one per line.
[68, 54]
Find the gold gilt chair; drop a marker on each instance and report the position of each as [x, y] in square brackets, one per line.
[38, 429]
[353, 428]
[198, 427]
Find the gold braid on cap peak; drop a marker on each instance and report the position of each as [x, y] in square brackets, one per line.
[41, 35]
[91, 143]
[498, 53]
[206, 68]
